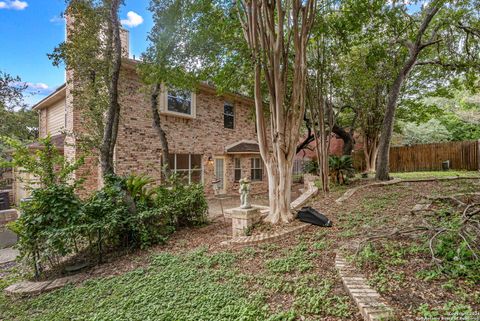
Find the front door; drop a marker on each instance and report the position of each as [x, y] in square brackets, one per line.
[220, 174]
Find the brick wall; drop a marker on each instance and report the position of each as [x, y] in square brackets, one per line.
[138, 147]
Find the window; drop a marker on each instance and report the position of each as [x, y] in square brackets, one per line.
[179, 101]
[256, 169]
[237, 169]
[228, 116]
[188, 166]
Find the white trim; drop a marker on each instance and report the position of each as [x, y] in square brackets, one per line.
[164, 105]
[246, 141]
[52, 98]
[224, 190]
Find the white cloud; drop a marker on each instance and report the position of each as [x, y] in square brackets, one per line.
[38, 88]
[133, 20]
[38, 85]
[13, 4]
[57, 20]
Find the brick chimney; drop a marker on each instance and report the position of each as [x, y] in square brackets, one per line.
[124, 36]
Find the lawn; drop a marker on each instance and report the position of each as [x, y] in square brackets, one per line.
[193, 277]
[436, 174]
[282, 281]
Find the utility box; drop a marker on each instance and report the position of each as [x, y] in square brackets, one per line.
[446, 165]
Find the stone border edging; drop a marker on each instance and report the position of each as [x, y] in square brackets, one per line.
[368, 301]
[266, 237]
[8, 255]
[394, 181]
[29, 288]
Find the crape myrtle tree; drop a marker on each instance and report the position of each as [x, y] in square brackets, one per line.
[238, 46]
[441, 35]
[92, 53]
[277, 34]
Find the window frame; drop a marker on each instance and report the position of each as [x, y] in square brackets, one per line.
[253, 169]
[227, 103]
[164, 105]
[190, 170]
[237, 170]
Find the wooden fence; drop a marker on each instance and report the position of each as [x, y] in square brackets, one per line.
[429, 157]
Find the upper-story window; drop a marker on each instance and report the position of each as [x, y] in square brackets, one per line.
[179, 101]
[228, 116]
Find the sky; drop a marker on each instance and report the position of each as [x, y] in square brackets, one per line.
[31, 29]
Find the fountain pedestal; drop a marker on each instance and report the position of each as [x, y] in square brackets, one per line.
[243, 219]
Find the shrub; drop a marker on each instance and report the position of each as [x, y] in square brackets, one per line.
[186, 204]
[47, 227]
[124, 213]
[341, 167]
[311, 167]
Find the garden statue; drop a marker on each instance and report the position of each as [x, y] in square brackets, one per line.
[244, 192]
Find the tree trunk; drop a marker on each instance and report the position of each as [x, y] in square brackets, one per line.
[158, 127]
[347, 137]
[113, 54]
[279, 191]
[321, 142]
[370, 150]
[265, 25]
[383, 170]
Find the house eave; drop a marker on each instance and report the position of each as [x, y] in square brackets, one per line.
[57, 95]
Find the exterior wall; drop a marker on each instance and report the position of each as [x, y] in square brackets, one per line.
[74, 129]
[138, 147]
[42, 118]
[55, 118]
[256, 187]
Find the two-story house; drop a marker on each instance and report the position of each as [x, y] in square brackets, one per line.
[209, 136]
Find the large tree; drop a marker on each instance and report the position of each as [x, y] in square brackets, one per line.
[440, 35]
[277, 33]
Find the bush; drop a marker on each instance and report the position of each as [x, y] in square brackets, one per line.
[125, 212]
[311, 167]
[186, 204]
[341, 167]
[47, 226]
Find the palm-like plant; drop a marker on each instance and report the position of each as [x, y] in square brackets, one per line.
[340, 168]
[137, 187]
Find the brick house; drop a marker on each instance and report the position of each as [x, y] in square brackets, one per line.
[210, 136]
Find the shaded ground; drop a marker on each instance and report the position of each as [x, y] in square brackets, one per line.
[194, 278]
[400, 267]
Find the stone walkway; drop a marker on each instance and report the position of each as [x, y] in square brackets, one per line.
[369, 302]
[28, 288]
[8, 255]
